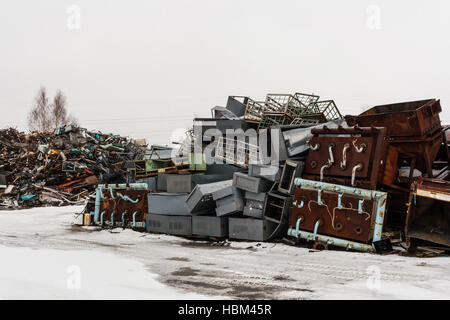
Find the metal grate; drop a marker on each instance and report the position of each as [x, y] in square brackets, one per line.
[306, 99]
[329, 109]
[254, 111]
[274, 118]
[285, 103]
[303, 121]
[237, 152]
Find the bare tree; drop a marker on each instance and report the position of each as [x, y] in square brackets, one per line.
[44, 117]
[72, 120]
[39, 116]
[59, 110]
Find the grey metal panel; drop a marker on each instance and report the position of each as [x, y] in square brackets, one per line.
[210, 178]
[222, 168]
[225, 192]
[229, 205]
[210, 226]
[168, 203]
[179, 183]
[224, 124]
[269, 172]
[200, 199]
[236, 106]
[231, 198]
[222, 112]
[261, 196]
[150, 181]
[250, 229]
[222, 193]
[252, 184]
[296, 138]
[161, 182]
[175, 225]
[252, 212]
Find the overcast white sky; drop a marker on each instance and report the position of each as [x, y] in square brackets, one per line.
[145, 68]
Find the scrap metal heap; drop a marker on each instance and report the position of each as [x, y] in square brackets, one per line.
[361, 182]
[59, 168]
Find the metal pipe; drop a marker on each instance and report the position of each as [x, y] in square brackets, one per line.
[97, 203]
[344, 156]
[112, 219]
[297, 224]
[319, 197]
[127, 198]
[330, 150]
[360, 203]
[361, 148]
[361, 193]
[133, 186]
[134, 219]
[316, 147]
[123, 218]
[340, 200]
[111, 193]
[325, 166]
[355, 168]
[316, 226]
[101, 218]
[300, 234]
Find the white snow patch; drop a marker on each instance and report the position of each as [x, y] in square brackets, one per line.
[55, 274]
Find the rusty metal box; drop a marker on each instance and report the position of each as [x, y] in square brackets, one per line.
[348, 156]
[342, 212]
[428, 216]
[121, 205]
[413, 118]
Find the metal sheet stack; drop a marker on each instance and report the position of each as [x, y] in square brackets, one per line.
[167, 211]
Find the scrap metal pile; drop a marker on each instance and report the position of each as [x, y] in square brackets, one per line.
[59, 168]
[294, 168]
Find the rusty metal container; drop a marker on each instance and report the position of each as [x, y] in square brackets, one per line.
[121, 205]
[414, 118]
[320, 210]
[348, 156]
[428, 216]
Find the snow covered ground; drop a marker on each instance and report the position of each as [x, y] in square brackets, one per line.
[43, 255]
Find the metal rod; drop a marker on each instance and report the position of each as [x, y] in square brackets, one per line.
[344, 156]
[101, 218]
[355, 168]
